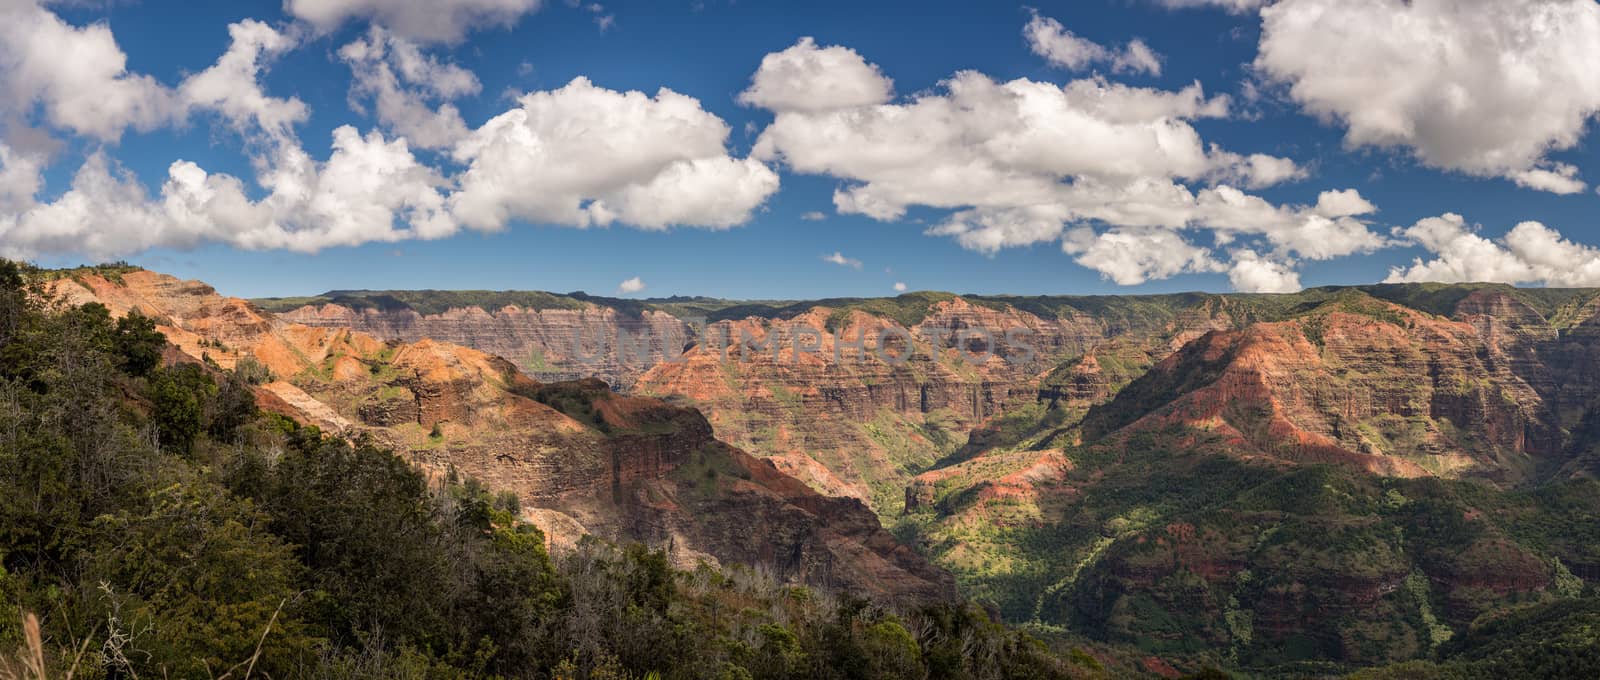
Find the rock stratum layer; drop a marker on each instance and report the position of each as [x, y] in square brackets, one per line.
[582, 459]
[1353, 479]
[1348, 476]
[847, 423]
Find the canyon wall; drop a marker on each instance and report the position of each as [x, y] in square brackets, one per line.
[847, 422]
[548, 344]
[1483, 381]
[1261, 477]
[581, 458]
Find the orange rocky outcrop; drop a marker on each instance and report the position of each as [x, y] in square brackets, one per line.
[1387, 389]
[581, 458]
[847, 421]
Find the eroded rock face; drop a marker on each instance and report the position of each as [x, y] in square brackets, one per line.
[1391, 390]
[1493, 388]
[848, 422]
[840, 418]
[549, 345]
[679, 486]
[1505, 385]
[580, 457]
[1284, 489]
[852, 425]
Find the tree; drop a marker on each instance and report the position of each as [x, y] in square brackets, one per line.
[9, 635]
[195, 582]
[138, 344]
[365, 526]
[180, 394]
[234, 407]
[253, 372]
[892, 650]
[16, 305]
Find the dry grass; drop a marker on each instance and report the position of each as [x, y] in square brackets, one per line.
[29, 663]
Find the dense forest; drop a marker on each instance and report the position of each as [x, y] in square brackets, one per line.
[154, 524]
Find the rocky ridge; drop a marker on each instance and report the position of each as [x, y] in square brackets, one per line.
[581, 458]
[864, 428]
[1286, 489]
[847, 424]
[1343, 476]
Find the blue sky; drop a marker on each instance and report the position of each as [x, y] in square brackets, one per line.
[1277, 106]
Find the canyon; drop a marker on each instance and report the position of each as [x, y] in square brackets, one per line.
[848, 423]
[1348, 476]
[1352, 474]
[1379, 479]
[839, 418]
[582, 459]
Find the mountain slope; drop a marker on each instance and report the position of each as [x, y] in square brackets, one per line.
[154, 523]
[1304, 483]
[864, 428]
[856, 425]
[1359, 382]
[1355, 483]
[624, 468]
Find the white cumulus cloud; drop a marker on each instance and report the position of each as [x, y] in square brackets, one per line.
[1530, 253]
[838, 258]
[586, 156]
[1485, 87]
[1117, 174]
[1130, 257]
[20, 179]
[231, 87]
[77, 76]
[1251, 273]
[370, 189]
[91, 92]
[631, 286]
[1061, 47]
[810, 78]
[1556, 178]
[424, 20]
[578, 156]
[1345, 203]
[403, 82]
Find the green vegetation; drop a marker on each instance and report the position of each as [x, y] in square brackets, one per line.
[1116, 309]
[1552, 640]
[440, 301]
[426, 301]
[908, 309]
[156, 525]
[1172, 549]
[111, 271]
[1441, 298]
[1148, 315]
